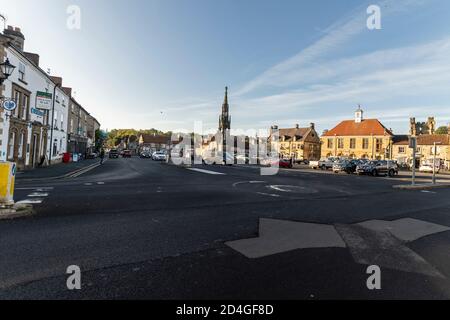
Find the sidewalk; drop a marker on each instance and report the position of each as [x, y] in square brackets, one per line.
[55, 171]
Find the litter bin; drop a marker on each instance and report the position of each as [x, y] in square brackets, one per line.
[7, 179]
[66, 157]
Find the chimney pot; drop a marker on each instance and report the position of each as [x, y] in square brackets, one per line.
[297, 126]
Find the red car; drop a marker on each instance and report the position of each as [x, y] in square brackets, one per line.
[283, 163]
[126, 154]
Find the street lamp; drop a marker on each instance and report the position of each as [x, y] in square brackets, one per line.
[6, 69]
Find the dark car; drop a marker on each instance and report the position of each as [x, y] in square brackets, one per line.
[146, 155]
[380, 167]
[126, 154]
[113, 154]
[347, 166]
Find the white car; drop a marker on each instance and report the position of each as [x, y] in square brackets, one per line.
[218, 159]
[428, 168]
[159, 156]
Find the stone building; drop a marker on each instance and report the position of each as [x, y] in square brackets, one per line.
[297, 143]
[358, 138]
[425, 145]
[77, 128]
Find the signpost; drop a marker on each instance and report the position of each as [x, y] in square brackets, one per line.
[413, 145]
[43, 100]
[434, 161]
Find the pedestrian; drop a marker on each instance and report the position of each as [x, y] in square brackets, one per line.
[102, 155]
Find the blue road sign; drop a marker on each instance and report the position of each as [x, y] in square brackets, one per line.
[9, 105]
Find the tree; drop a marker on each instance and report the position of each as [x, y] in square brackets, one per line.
[442, 130]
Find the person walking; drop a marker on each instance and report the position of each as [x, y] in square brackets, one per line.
[102, 155]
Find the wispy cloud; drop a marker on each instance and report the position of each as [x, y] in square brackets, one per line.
[336, 35]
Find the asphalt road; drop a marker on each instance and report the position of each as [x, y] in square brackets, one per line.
[139, 229]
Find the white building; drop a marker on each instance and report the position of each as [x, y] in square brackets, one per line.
[58, 132]
[24, 134]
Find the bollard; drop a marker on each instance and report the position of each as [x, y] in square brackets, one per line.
[7, 179]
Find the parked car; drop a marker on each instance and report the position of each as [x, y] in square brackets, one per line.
[378, 167]
[283, 163]
[113, 154]
[146, 155]
[159, 156]
[92, 155]
[347, 166]
[218, 159]
[428, 168]
[126, 154]
[324, 164]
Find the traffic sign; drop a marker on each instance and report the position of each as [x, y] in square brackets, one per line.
[9, 105]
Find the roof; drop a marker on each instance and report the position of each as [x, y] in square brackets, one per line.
[367, 127]
[425, 139]
[149, 138]
[289, 133]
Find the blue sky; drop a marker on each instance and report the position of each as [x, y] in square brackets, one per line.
[164, 64]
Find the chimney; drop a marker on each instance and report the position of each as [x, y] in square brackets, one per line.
[16, 36]
[57, 80]
[34, 57]
[67, 91]
[412, 127]
[312, 125]
[297, 126]
[325, 132]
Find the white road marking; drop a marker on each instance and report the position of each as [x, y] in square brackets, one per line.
[88, 184]
[38, 195]
[269, 194]
[207, 171]
[248, 182]
[30, 201]
[39, 189]
[100, 183]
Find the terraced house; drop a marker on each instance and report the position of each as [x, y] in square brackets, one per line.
[25, 130]
[359, 138]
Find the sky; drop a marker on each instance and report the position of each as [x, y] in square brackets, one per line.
[164, 63]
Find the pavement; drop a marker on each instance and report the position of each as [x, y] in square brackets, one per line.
[140, 229]
[55, 171]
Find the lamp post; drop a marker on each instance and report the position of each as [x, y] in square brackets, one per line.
[50, 153]
[6, 70]
[434, 161]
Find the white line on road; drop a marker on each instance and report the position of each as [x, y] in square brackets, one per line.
[38, 195]
[39, 189]
[30, 201]
[269, 194]
[206, 171]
